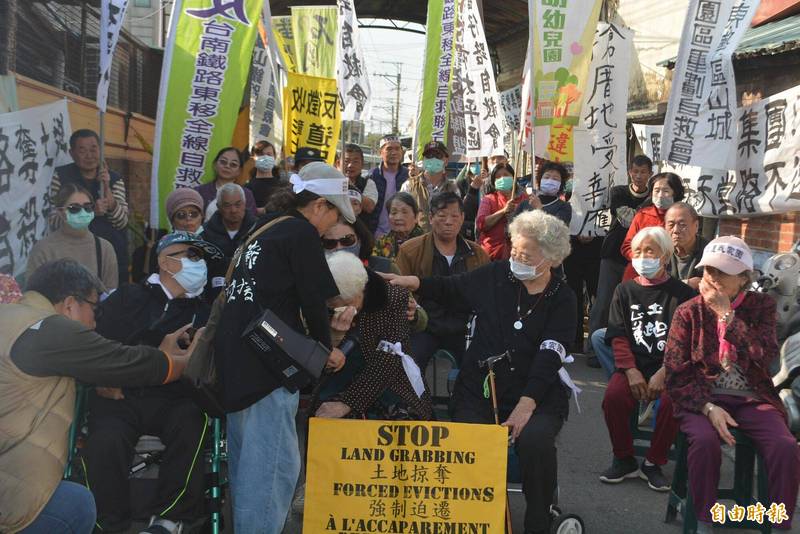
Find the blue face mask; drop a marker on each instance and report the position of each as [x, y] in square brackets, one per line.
[504, 184]
[647, 267]
[433, 165]
[550, 187]
[475, 168]
[265, 163]
[80, 220]
[192, 277]
[353, 249]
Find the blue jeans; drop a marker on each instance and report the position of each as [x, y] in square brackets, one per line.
[603, 352]
[70, 510]
[264, 462]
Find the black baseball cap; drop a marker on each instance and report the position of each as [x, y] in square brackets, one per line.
[435, 146]
[306, 153]
[210, 251]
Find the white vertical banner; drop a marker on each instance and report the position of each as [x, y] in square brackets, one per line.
[267, 79]
[649, 137]
[600, 139]
[483, 115]
[526, 98]
[33, 142]
[703, 99]
[352, 75]
[511, 104]
[112, 13]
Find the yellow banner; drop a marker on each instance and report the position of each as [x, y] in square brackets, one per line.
[311, 115]
[408, 477]
[284, 37]
[315, 31]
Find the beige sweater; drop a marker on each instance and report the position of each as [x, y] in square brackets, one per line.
[77, 245]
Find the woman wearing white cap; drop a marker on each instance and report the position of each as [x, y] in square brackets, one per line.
[283, 270]
[717, 359]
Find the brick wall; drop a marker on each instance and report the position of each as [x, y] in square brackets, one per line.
[776, 233]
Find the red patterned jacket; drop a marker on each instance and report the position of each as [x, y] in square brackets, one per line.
[691, 356]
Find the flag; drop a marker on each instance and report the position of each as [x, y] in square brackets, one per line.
[284, 38]
[354, 88]
[111, 16]
[312, 117]
[203, 77]
[315, 33]
[267, 78]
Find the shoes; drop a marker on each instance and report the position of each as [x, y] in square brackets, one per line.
[159, 525]
[654, 477]
[592, 361]
[620, 470]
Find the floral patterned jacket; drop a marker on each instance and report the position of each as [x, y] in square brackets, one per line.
[691, 357]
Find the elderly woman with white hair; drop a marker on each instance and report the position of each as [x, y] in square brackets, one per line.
[641, 312]
[526, 314]
[379, 377]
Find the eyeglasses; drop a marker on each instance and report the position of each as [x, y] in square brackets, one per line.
[190, 253]
[76, 208]
[346, 241]
[95, 304]
[183, 215]
[231, 164]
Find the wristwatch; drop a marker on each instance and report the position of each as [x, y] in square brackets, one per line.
[707, 408]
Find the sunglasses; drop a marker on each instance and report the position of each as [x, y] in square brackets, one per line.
[346, 241]
[183, 215]
[190, 253]
[76, 208]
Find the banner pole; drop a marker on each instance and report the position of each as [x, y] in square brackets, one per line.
[102, 162]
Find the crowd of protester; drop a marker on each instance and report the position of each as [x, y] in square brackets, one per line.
[392, 258]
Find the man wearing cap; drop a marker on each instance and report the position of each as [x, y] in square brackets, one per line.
[142, 314]
[389, 177]
[432, 181]
[717, 359]
[352, 165]
[306, 155]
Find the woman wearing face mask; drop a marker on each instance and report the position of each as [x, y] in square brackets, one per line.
[640, 316]
[265, 178]
[495, 212]
[403, 215]
[227, 169]
[551, 180]
[526, 314]
[73, 239]
[666, 188]
[720, 347]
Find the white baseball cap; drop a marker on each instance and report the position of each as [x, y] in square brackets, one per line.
[327, 182]
[729, 254]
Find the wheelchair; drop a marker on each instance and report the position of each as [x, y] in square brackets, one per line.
[148, 452]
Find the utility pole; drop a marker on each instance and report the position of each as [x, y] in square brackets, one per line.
[396, 79]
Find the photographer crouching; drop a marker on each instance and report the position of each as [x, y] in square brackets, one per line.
[47, 341]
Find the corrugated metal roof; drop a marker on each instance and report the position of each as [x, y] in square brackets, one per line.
[771, 38]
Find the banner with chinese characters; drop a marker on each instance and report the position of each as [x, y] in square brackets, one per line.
[703, 98]
[440, 41]
[112, 13]
[284, 37]
[511, 104]
[311, 115]
[766, 179]
[204, 73]
[649, 138]
[481, 113]
[315, 32]
[352, 77]
[266, 87]
[405, 476]
[560, 51]
[600, 139]
[33, 142]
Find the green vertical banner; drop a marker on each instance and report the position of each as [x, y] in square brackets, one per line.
[315, 34]
[206, 65]
[440, 42]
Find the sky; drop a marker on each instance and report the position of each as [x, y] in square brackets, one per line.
[383, 48]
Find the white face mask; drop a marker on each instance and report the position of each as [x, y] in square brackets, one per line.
[265, 163]
[192, 277]
[525, 272]
[647, 267]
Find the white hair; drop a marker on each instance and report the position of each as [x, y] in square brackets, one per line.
[348, 273]
[230, 189]
[657, 234]
[549, 232]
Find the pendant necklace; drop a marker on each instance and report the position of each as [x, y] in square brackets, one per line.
[518, 322]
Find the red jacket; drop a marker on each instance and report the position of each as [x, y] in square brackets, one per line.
[493, 240]
[691, 357]
[647, 216]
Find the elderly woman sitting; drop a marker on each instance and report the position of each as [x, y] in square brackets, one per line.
[525, 315]
[717, 358]
[641, 311]
[378, 366]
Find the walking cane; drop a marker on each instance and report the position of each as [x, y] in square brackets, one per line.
[489, 363]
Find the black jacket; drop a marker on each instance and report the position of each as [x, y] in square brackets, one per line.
[214, 231]
[492, 293]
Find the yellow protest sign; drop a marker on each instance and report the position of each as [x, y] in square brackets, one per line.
[405, 477]
[284, 38]
[311, 114]
[316, 32]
